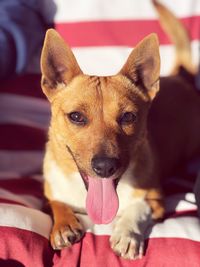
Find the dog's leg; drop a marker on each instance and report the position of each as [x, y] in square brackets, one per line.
[127, 238]
[154, 197]
[66, 229]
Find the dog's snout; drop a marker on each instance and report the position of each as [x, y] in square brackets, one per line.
[105, 166]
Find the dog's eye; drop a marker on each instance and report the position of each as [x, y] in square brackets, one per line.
[77, 118]
[127, 118]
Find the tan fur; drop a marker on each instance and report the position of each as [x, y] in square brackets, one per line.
[154, 197]
[65, 225]
[145, 147]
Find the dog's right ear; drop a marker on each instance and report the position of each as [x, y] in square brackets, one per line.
[58, 64]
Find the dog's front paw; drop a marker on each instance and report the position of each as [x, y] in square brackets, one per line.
[127, 239]
[127, 245]
[65, 235]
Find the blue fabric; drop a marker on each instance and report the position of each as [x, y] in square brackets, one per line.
[22, 29]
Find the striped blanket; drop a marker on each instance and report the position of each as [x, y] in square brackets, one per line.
[101, 34]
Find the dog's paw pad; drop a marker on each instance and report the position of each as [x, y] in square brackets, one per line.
[65, 236]
[128, 246]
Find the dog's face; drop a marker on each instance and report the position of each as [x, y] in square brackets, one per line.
[99, 120]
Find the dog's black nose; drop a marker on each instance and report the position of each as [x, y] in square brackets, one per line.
[104, 166]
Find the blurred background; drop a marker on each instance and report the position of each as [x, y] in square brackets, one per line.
[101, 32]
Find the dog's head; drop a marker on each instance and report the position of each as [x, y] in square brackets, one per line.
[100, 121]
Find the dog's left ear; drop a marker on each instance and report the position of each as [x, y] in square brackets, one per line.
[58, 64]
[143, 65]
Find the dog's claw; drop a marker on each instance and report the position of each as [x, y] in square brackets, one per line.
[127, 246]
[65, 236]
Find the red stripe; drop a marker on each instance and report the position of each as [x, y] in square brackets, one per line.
[96, 251]
[24, 248]
[22, 186]
[7, 201]
[19, 137]
[182, 213]
[30, 249]
[28, 85]
[119, 33]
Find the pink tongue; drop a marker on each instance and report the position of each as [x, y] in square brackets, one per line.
[102, 201]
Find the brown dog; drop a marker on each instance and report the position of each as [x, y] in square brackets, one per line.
[109, 143]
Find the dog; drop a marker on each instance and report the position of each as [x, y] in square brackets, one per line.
[112, 140]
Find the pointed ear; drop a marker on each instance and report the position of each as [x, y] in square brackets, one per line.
[143, 65]
[58, 64]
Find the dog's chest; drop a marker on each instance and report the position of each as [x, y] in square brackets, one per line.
[71, 190]
[68, 189]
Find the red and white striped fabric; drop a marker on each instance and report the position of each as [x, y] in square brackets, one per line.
[101, 34]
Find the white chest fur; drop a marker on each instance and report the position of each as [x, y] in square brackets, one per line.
[125, 189]
[71, 189]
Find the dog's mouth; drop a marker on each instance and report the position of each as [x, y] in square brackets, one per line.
[86, 178]
[102, 201]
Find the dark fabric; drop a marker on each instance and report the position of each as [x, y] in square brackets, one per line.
[22, 29]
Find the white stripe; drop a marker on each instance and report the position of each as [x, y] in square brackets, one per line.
[109, 60]
[87, 10]
[24, 110]
[25, 218]
[182, 227]
[27, 200]
[36, 221]
[20, 162]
